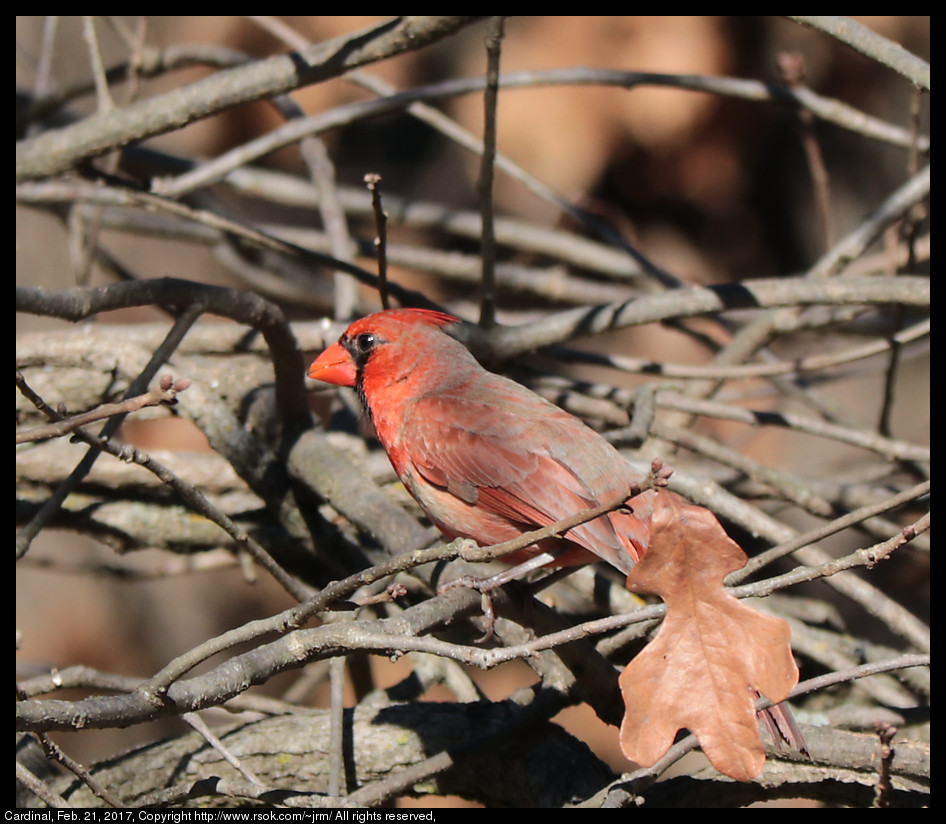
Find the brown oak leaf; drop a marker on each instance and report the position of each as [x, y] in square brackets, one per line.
[713, 654]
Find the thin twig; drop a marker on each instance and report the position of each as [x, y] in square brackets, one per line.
[40, 789]
[56, 151]
[638, 781]
[869, 43]
[866, 557]
[855, 243]
[218, 168]
[27, 533]
[55, 753]
[221, 684]
[820, 533]
[336, 778]
[373, 182]
[243, 307]
[102, 93]
[484, 186]
[792, 69]
[166, 395]
[507, 342]
[193, 720]
[72, 190]
[806, 363]
[189, 493]
[890, 448]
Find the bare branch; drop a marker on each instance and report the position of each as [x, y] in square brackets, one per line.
[55, 152]
[871, 44]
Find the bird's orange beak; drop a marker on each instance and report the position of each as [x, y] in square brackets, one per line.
[334, 365]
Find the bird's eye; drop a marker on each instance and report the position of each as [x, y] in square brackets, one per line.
[364, 343]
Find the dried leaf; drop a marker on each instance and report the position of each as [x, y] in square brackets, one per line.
[712, 655]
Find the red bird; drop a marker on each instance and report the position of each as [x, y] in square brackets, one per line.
[486, 458]
[483, 456]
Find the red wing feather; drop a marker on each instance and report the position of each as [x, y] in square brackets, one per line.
[503, 467]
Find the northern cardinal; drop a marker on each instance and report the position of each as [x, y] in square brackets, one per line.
[483, 456]
[486, 458]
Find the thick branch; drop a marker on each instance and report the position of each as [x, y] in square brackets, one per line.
[55, 152]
